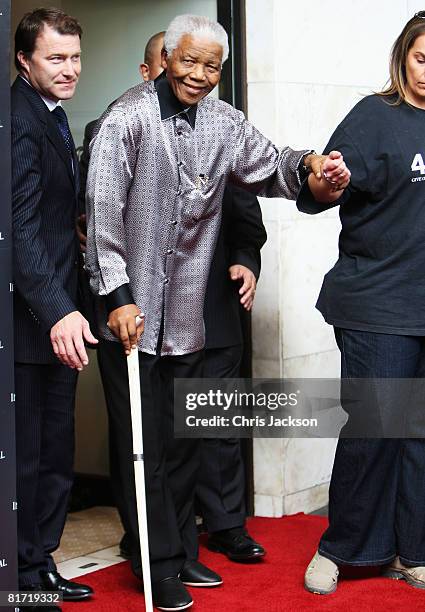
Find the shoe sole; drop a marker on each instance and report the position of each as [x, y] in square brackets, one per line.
[201, 584]
[174, 609]
[320, 591]
[395, 575]
[219, 549]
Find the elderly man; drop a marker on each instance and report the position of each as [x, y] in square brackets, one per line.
[160, 161]
[235, 268]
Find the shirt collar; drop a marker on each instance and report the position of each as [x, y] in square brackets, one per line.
[169, 105]
[51, 105]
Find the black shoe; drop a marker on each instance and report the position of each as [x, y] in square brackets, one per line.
[71, 591]
[237, 544]
[125, 547]
[170, 594]
[197, 575]
[36, 587]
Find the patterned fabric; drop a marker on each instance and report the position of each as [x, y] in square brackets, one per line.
[63, 125]
[154, 193]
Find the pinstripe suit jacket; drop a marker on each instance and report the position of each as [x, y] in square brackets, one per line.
[44, 206]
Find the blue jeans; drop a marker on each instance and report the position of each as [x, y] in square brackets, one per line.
[377, 491]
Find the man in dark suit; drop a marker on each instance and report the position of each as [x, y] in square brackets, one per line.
[48, 326]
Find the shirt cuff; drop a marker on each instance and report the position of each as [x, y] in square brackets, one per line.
[249, 258]
[119, 297]
[302, 171]
[307, 204]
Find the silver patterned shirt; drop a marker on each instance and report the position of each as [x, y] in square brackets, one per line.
[154, 191]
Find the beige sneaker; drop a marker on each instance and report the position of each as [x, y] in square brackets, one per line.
[415, 576]
[321, 575]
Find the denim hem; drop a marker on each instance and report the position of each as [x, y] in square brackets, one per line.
[337, 560]
[410, 562]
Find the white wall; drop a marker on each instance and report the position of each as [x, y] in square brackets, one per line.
[308, 63]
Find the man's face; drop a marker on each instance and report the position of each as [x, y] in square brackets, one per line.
[193, 69]
[55, 65]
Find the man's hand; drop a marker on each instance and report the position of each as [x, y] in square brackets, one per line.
[67, 337]
[329, 176]
[82, 232]
[122, 323]
[249, 284]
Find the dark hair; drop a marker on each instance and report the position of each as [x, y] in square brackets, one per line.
[32, 24]
[397, 82]
[149, 49]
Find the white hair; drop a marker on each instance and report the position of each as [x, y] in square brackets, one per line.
[198, 27]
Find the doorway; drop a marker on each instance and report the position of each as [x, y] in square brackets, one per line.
[114, 37]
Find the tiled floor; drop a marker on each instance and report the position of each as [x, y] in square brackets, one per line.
[89, 542]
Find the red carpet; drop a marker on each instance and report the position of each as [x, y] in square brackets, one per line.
[274, 585]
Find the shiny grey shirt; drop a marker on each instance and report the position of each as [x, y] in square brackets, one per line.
[154, 190]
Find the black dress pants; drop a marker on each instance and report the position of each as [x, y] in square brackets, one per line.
[221, 483]
[171, 465]
[45, 396]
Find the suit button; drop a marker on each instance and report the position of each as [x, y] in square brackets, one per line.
[170, 251]
[174, 222]
[166, 281]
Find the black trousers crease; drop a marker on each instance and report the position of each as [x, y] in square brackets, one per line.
[44, 412]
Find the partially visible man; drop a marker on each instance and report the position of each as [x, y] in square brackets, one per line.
[47, 324]
[160, 160]
[151, 66]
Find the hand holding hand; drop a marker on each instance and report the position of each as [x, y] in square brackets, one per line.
[122, 323]
[329, 176]
[335, 171]
[67, 337]
[249, 284]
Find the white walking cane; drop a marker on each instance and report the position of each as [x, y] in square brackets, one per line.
[139, 468]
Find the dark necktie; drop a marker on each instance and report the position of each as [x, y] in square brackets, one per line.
[63, 125]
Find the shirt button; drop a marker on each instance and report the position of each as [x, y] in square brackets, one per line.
[166, 281]
[181, 163]
[170, 251]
